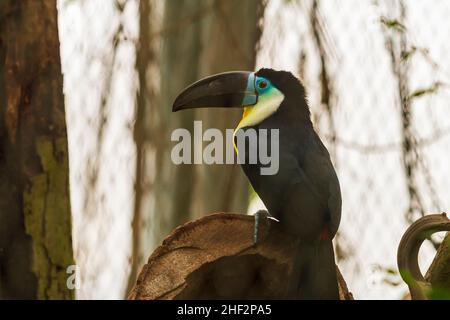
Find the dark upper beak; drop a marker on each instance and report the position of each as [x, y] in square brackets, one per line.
[223, 90]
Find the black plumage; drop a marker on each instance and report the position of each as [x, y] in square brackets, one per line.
[305, 194]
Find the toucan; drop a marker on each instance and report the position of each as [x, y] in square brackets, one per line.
[304, 195]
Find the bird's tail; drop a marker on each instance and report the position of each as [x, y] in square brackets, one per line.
[314, 272]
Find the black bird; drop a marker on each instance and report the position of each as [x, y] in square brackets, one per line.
[304, 195]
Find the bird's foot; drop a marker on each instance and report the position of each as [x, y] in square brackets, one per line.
[260, 215]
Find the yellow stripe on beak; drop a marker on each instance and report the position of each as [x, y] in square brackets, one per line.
[247, 111]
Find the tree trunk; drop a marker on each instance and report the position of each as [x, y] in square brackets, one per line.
[35, 228]
[145, 98]
[198, 38]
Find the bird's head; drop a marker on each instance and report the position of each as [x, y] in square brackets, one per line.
[261, 94]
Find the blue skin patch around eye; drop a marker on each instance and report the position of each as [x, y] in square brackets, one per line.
[267, 85]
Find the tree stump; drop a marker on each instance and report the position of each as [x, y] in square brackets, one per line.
[214, 258]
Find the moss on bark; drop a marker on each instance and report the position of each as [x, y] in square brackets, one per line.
[45, 201]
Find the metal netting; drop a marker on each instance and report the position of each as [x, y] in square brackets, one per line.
[376, 74]
[377, 78]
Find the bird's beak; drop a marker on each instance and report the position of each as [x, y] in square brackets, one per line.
[223, 90]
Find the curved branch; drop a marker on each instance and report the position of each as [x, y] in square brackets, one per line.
[408, 251]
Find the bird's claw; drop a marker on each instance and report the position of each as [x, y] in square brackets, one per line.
[259, 215]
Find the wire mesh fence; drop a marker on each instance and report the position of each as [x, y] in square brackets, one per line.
[377, 79]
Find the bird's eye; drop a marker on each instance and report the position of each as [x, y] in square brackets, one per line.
[262, 84]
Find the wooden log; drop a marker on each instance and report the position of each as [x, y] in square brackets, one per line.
[214, 258]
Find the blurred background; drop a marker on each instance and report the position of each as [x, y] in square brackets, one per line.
[377, 76]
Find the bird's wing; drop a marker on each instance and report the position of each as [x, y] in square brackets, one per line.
[305, 187]
[317, 165]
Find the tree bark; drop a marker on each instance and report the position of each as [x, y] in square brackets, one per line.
[35, 228]
[214, 258]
